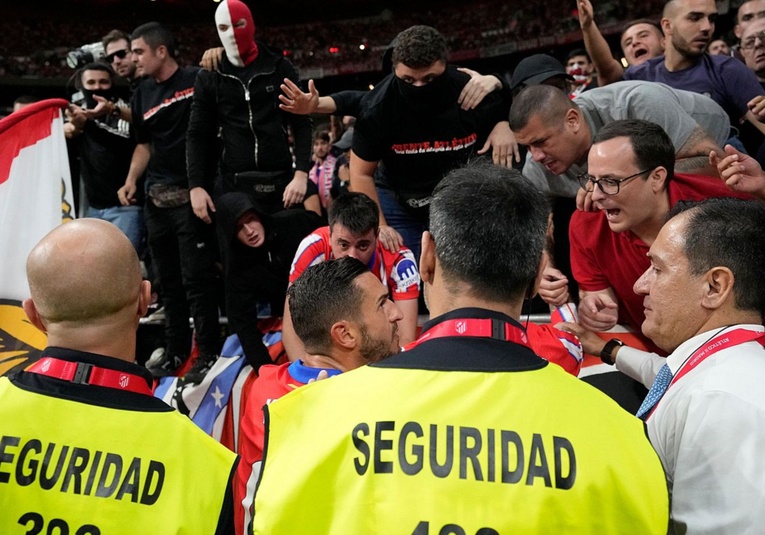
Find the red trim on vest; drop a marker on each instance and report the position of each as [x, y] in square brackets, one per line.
[482, 328]
[87, 374]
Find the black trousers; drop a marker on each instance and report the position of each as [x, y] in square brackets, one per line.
[183, 249]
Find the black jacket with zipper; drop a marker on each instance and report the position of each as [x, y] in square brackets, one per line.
[244, 104]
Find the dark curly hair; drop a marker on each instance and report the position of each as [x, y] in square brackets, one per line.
[419, 47]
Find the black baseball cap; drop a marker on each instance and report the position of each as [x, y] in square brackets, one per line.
[536, 69]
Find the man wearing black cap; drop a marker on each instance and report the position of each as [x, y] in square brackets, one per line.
[540, 69]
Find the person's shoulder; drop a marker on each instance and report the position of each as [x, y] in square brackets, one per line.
[646, 70]
[190, 71]
[717, 60]
[588, 226]
[456, 77]
[684, 186]
[379, 99]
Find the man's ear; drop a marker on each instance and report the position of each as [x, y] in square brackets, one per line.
[719, 287]
[144, 298]
[573, 120]
[427, 257]
[34, 317]
[658, 179]
[344, 334]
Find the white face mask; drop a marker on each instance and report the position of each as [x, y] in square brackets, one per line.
[238, 37]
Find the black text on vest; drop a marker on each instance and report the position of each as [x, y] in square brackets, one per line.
[80, 470]
[481, 455]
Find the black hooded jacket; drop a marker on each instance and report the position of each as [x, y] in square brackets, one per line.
[244, 103]
[265, 269]
[256, 274]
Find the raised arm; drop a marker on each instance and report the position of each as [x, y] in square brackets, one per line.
[297, 101]
[609, 69]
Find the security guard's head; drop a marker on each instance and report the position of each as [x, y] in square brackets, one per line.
[487, 232]
[86, 288]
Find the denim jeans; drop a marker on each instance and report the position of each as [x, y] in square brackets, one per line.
[129, 219]
[408, 225]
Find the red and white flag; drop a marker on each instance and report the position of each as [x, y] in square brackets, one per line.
[35, 197]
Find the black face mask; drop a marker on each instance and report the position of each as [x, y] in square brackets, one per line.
[429, 98]
[90, 102]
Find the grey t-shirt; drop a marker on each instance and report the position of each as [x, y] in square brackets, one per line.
[675, 110]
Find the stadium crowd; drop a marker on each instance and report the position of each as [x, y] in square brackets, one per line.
[38, 47]
[630, 197]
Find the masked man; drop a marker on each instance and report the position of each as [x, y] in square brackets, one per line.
[241, 99]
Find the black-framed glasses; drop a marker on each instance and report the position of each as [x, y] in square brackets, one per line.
[122, 54]
[609, 186]
[750, 42]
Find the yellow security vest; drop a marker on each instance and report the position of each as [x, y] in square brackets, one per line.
[90, 470]
[421, 452]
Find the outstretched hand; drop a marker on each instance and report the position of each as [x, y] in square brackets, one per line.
[297, 101]
[740, 171]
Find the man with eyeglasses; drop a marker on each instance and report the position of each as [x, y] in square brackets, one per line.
[633, 184]
[752, 48]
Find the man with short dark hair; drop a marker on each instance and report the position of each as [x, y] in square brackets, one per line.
[415, 129]
[105, 147]
[704, 302]
[462, 422]
[641, 40]
[346, 319]
[117, 54]
[634, 185]
[323, 167]
[182, 247]
[748, 12]
[353, 230]
[559, 131]
[86, 447]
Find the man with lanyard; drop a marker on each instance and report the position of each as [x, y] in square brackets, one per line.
[85, 447]
[469, 424]
[182, 247]
[704, 302]
[353, 230]
[346, 319]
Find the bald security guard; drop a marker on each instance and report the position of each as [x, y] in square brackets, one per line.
[84, 446]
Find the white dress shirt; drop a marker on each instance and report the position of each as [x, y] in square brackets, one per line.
[709, 431]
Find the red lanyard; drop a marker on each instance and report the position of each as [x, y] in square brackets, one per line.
[718, 343]
[87, 374]
[484, 328]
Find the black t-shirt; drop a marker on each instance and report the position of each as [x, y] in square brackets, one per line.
[418, 147]
[105, 148]
[161, 117]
